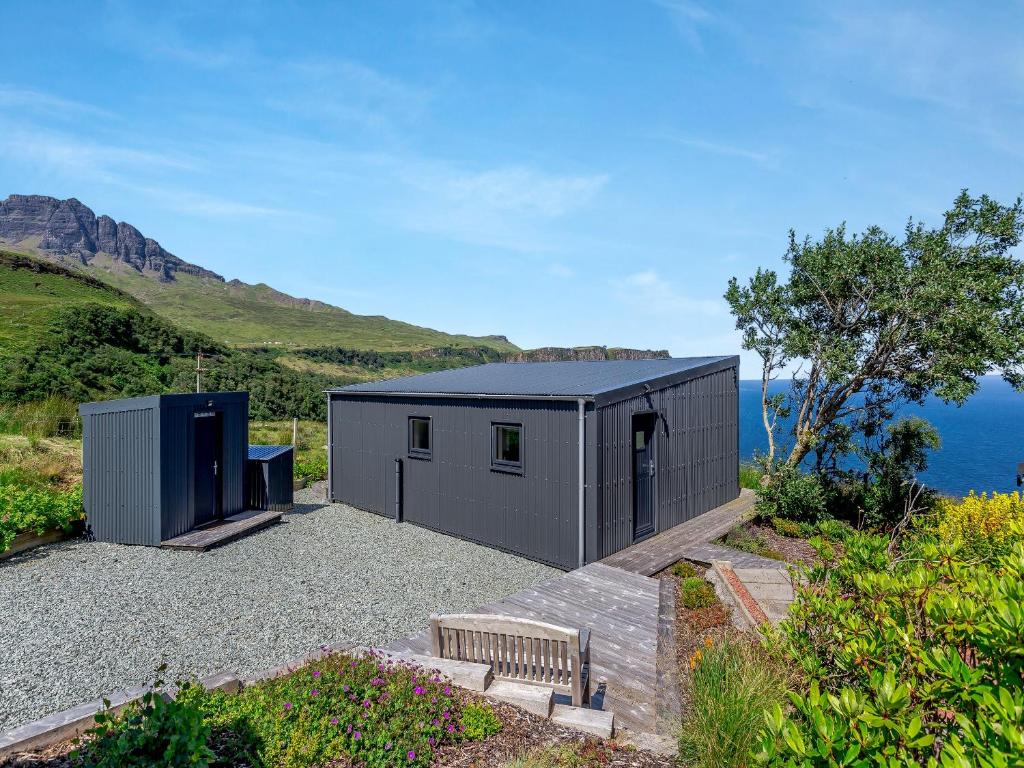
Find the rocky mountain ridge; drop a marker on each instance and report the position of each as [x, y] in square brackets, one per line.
[70, 229]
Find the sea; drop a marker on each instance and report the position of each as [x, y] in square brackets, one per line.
[982, 440]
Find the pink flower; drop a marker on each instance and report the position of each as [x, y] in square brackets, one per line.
[418, 690]
[451, 728]
[412, 754]
[287, 705]
[357, 735]
[316, 673]
[314, 692]
[387, 746]
[447, 691]
[334, 721]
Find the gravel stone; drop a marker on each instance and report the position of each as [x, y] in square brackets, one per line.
[83, 619]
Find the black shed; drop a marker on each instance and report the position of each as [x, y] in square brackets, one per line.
[157, 467]
[561, 462]
[270, 477]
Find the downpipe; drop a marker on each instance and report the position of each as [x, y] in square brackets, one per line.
[581, 430]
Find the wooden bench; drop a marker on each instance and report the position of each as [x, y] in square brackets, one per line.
[519, 650]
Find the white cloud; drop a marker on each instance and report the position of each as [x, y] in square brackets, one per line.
[764, 159]
[37, 101]
[648, 291]
[688, 18]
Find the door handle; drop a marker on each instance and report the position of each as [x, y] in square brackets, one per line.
[650, 469]
[214, 468]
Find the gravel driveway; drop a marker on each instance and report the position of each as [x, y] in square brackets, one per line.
[79, 620]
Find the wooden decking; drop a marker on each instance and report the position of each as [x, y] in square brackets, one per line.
[630, 617]
[229, 529]
[684, 541]
[620, 609]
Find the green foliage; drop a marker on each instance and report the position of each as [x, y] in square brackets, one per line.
[832, 530]
[785, 527]
[742, 539]
[683, 570]
[378, 712]
[311, 469]
[154, 731]
[696, 593]
[51, 417]
[793, 495]
[875, 320]
[479, 721]
[750, 476]
[732, 682]
[913, 658]
[415, 361]
[901, 454]
[587, 754]
[28, 508]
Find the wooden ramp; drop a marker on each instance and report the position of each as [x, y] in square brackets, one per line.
[684, 540]
[621, 611]
[229, 529]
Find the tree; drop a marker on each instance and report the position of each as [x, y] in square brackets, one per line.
[871, 321]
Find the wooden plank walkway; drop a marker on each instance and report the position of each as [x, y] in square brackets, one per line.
[621, 611]
[658, 552]
[229, 529]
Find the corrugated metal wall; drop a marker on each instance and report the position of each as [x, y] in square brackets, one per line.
[696, 455]
[178, 462]
[138, 464]
[120, 464]
[533, 514]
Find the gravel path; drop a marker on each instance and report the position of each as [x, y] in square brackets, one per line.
[79, 620]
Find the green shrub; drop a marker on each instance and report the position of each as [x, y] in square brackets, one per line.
[683, 570]
[913, 657]
[36, 509]
[833, 530]
[50, 417]
[479, 721]
[742, 539]
[792, 495]
[153, 731]
[311, 469]
[732, 682]
[789, 528]
[697, 593]
[377, 712]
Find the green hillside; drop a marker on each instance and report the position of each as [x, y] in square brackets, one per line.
[256, 315]
[33, 291]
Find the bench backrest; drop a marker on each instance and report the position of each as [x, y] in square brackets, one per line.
[515, 648]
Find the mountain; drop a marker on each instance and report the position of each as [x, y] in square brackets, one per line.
[197, 299]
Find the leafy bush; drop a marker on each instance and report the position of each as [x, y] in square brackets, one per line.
[789, 528]
[479, 721]
[683, 570]
[697, 593]
[378, 712]
[742, 539]
[25, 508]
[791, 495]
[154, 731]
[50, 417]
[311, 469]
[833, 530]
[914, 657]
[732, 682]
[980, 524]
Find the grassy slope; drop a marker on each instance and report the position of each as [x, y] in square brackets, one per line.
[253, 315]
[29, 298]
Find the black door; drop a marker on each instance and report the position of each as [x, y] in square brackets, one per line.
[208, 466]
[643, 475]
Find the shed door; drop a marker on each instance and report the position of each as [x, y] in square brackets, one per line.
[643, 475]
[208, 435]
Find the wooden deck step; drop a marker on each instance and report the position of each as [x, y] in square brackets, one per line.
[229, 529]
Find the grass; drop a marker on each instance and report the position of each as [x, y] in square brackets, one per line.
[52, 417]
[732, 682]
[40, 463]
[256, 315]
[750, 476]
[311, 443]
[586, 754]
[32, 291]
[742, 539]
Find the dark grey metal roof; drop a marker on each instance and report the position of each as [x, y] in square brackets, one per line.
[567, 380]
[264, 452]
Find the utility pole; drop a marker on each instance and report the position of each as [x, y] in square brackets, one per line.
[199, 370]
[295, 432]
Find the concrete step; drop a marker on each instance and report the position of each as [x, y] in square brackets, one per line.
[465, 674]
[536, 699]
[593, 721]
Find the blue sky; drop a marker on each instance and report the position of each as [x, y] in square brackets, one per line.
[563, 173]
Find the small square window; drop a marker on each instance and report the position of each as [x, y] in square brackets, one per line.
[419, 437]
[507, 447]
